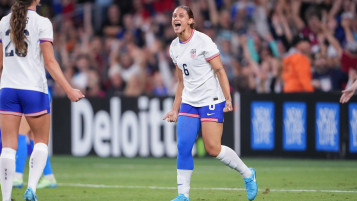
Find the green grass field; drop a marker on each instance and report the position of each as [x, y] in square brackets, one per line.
[136, 180]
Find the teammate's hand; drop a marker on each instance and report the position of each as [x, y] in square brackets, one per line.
[75, 95]
[228, 107]
[171, 116]
[347, 94]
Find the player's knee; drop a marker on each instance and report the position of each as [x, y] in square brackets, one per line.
[213, 149]
[184, 149]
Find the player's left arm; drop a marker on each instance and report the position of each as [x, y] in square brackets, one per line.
[217, 67]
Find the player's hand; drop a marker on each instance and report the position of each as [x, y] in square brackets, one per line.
[75, 95]
[228, 107]
[347, 94]
[171, 116]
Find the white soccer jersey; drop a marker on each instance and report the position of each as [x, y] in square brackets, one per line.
[201, 85]
[22, 71]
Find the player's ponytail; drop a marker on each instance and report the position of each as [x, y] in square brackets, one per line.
[190, 15]
[18, 24]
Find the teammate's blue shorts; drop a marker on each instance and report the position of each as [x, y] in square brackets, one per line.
[18, 102]
[212, 113]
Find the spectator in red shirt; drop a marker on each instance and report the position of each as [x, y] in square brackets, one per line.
[349, 60]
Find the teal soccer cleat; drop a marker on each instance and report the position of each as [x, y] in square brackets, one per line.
[251, 185]
[181, 197]
[30, 195]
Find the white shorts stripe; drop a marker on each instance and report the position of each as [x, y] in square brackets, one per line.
[36, 113]
[11, 113]
[189, 115]
[209, 119]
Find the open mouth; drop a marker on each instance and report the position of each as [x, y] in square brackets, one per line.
[177, 24]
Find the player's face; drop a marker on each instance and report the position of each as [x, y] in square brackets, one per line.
[180, 20]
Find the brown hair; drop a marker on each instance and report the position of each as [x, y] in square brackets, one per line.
[18, 24]
[190, 15]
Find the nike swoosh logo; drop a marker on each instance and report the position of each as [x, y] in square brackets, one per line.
[178, 56]
[209, 114]
[179, 184]
[254, 179]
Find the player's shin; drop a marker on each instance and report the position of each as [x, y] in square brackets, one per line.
[21, 156]
[37, 164]
[187, 130]
[7, 171]
[231, 159]
[183, 181]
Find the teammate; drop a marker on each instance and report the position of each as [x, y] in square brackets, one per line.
[25, 49]
[348, 93]
[202, 97]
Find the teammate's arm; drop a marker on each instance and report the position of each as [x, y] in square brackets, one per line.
[217, 66]
[348, 93]
[56, 72]
[173, 114]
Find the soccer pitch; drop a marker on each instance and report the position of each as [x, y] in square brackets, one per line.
[138, 179]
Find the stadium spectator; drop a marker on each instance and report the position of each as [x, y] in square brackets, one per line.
[326, 78]
[134, 36]
[296, 67]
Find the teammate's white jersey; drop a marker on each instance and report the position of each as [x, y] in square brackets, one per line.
[25, 71]
[201, 85]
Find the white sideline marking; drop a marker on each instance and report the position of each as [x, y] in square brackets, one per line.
[218, 189]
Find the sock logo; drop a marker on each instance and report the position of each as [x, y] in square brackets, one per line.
[31, 162]
[5, 173]
[179, 184]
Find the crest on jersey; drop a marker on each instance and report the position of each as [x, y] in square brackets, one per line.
[193, 53]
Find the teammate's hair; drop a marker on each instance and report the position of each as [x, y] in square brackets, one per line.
[18, 24]
[190, 15]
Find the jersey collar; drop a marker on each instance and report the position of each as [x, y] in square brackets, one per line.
[188, 40]
[30, 9]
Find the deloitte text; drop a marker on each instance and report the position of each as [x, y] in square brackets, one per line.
[129, 133]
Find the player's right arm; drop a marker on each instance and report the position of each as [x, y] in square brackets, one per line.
[173, 114]
[56, 72]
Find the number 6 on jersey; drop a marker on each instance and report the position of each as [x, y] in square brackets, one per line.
[185, 70]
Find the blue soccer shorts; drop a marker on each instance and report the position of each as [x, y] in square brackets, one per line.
[212, 113]
[18, 102]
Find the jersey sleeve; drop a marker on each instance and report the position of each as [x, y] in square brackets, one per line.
[1, 31]
[46, 31]
[209, 48]
[172, 55]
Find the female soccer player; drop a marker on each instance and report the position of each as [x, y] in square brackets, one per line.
[25, 49]
[202, 96]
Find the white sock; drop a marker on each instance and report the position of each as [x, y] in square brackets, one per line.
[231, 159]
[19, 175]
[38, 161]
[7, 171]
[183, 181]
[50, 177]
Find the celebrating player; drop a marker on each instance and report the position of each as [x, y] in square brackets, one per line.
[202, 97]
[25, 48]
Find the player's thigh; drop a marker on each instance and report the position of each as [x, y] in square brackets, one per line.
[36, 109]
[212, 134]
[11, 113]
[24, 126]
[9, 130]
[40, 127]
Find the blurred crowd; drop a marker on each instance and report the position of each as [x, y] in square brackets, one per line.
[120, 47]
